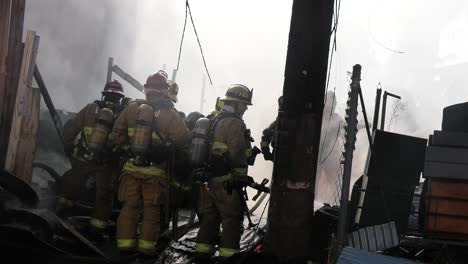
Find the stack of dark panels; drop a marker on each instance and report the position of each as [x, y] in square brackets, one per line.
[393, 173]
[446, 173]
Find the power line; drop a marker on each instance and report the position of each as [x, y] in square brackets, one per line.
[183, 34]
[334, 31]
[198, 40]
[377, 41]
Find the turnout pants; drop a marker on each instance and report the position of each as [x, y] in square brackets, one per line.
[74, 181]
[104, 197]
[136, 189]
[217, 207]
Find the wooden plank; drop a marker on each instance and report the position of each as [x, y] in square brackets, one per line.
[446, 224]
[450, 139]
[439, 170]
[448, 189]
[127, 77]
[27, 145]
[447, 155]
[13, 67]
[24, 90]
[448, 207]
[5, 7]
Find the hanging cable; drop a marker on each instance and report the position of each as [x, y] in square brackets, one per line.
[328, 124]
[198, 40]
[334, 143]
[183, 34]
[377, 41]
[334, 31]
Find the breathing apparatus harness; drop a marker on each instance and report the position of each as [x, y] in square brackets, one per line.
[153, 153]
[92, 146]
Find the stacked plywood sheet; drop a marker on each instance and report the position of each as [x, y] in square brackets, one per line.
[446, 173]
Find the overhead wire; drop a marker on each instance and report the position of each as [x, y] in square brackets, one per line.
[334, 47]
[183, 35]
[377, 41]
[198, 40]
[334, 32]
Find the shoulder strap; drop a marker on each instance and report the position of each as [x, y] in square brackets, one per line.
[101, 104]
[215, 120]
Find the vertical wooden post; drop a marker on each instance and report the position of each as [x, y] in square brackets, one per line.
[22, 107]
[5, 7]
[13, 66]
[110, 67]
[27, 145]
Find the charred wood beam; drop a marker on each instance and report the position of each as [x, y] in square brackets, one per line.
[48, 101]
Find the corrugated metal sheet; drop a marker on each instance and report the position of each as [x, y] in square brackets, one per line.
[375, 238]
[351, 255]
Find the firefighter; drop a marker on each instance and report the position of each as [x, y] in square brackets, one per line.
[219, 201]
[172, 93]
[92, 153]
[268, 136]
[151, 128]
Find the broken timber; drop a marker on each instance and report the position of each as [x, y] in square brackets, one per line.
[111, 67]
[22, 143]
[14, 17]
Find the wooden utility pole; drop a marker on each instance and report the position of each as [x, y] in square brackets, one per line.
[22, 141]
[290, 229]
[11, 65]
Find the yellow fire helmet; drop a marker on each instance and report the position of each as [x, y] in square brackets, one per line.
[238, 93]
[173, 91]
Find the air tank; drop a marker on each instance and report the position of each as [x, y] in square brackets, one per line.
[101, 130]
[141, 140]
[200, 142]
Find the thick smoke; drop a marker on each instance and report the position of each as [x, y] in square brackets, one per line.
[77, 37]
[414, 49]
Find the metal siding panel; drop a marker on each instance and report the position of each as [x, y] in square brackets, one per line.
[371, 238]
[379, 236]
[363, 239]
[387, 237]
[355, 256]
[393, 232]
